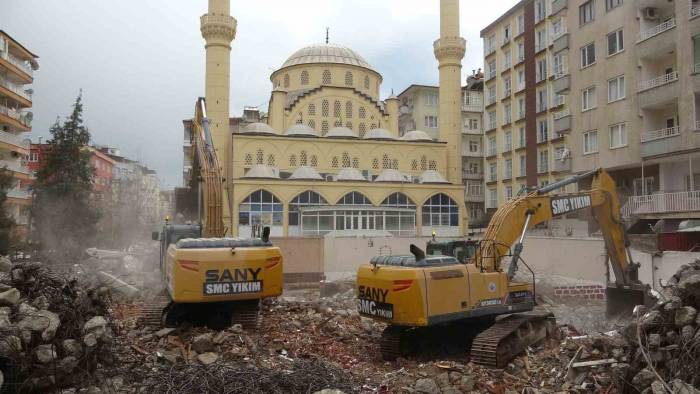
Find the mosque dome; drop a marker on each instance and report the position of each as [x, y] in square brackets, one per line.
[306, 173]
[261, 171]
[379, 134]
[300, 130]
[432, 176]
[341, 132]
[416, 135]
[390, 175]
[258, 128]
[351, 174]
[326, 53]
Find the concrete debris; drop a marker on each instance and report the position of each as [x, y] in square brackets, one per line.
[117, 285]
[426, 386]
[9, 297]
[207, 358]
[45, 353]
[203, 343]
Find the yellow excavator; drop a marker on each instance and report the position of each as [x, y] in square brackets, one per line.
[210, 278]
[415, 291]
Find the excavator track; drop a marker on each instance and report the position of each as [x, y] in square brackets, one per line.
[396, 342]
[152, 311]
[247, 314]
[509, 336]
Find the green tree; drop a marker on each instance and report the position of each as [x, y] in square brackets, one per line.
[64, 217]
[6, 222]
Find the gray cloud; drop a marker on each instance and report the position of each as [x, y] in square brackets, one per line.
[141, 63]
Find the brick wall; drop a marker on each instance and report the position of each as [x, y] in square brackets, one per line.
[581, 291]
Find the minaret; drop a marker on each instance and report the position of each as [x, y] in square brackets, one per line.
[449, 51]
[218, 28]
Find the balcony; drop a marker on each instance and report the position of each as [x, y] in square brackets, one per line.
[472, 176]
[562, 121]
[473, 107]
[658, 90]
[15, 140]
[660, 134]
[660, 142]
[560, 41]
[562, 83]
[473, 197]
[561, 166]
[662, 203]
[18, 90]
[22, 65]
[15, 118]
[18, 170]
[19, 194]
[467, 153]
[656, 30]
[694, 11]
[558, 5]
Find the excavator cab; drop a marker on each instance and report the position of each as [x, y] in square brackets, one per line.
[460, 249]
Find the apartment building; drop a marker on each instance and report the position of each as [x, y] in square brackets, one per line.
[522, 66]
[418, 110]
[17, 65]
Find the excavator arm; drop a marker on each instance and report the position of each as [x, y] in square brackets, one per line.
[506, 232]
[209, 171]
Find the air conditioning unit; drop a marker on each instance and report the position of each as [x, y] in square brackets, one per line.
[651, 13]
[330, 177]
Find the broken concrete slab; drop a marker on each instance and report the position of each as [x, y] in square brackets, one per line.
[9, 297]
[207, 358]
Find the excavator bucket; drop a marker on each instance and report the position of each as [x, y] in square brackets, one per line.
[620, 301]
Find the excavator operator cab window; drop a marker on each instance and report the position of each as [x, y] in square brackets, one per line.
[460, 252]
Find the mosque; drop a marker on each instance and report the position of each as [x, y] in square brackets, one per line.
[329, 157]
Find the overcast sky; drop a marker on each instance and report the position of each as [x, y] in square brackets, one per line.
[140, 63]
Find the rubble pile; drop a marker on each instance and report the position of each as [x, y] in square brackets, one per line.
[54, 332]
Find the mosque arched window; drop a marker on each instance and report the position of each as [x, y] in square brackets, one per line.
[440, 210]
[326, 77]
[395, 164]
[432, 165]
[423, 163]
[414, 165]
[348, 109]
[314, 161]
[336, 109]
[363, 129]
[312, 109]
[354, 198]
[286, 80]
[271, 160]
[355, 162]
[334, 162]
[375, 163]
[302, 158]
[386, 163]
[363, 112]
[346, 160]
[261, 208]
[305, 199]
[312, 124]
[259, 157]
[248, 160]
[304, 77]
[293, 160]
[325, 108]
[324, 127]
[366, 82]
[348, 78]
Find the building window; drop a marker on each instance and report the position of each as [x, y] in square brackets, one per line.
[432, 165]
[311, 219]
[490, 44]
[286, 80]
[334, 162]
[523, 166]
[399, 222]
[259, 157]
[34, 157]
[271, 160]
[493, 198]
[423, 163]
[491, 69]
[473, 146]
[325, 108]
[302, 158]
[618, 135]
[366, 82]
[541, 69]
[508, 60]
[521, 137]
[588, 55]
[440, 210]
[540, 40]
[304, 77]
[326, 77]
[473, 124]
[248, 160]
[260, 208]
[506, 86]
[431, 121]
[521, 52]
[348, 79]
[541, 100]
[611, 4]
[431, 99]
[293, 160]
[336, 109]
[354, 198]
[414, 165]
[507, 113]
[508, 192]
[543, 162]
[590, 142]
[586, 12]
[491, 90]
[348, 125]
[542, 131]
[507, 141]
[312, 109]
[508, 169]
[588, 99]
[312, 124]
[492, 146]
[346, 160]
[492, 120]
[506, 33]
[493, 169]
[616, 88]
[474, 168]
[616, 42]
[520, 24]
[363, 112]
[355, 162]
[521, 108]
[540, 10]
[363, 130]
[348, 110]
[324, 127]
